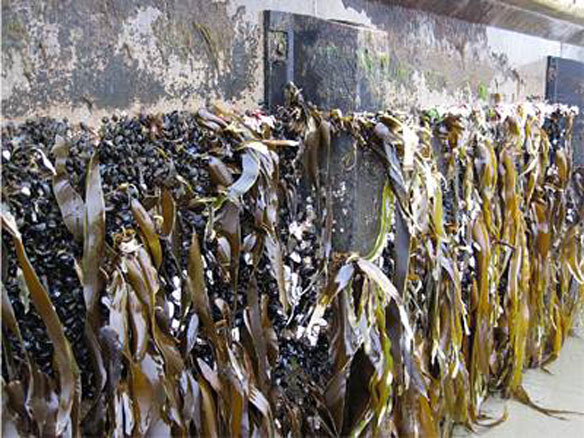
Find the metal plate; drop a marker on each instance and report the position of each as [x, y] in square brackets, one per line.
[565, 84]
[327, 61]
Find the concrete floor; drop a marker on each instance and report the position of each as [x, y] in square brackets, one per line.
[564, 389]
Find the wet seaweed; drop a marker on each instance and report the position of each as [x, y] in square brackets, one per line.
[175, 274]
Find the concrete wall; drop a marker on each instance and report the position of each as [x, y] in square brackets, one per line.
[82, 59]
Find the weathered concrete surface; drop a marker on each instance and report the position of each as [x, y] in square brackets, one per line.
[86, 58]
[568, 10]
[564, 389]
[83, 58]
[546, 19]
[413, 60]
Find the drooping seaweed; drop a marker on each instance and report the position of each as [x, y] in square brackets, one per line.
[175, 274]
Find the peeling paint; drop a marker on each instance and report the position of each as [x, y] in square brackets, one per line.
[86, 58]
[89, 57]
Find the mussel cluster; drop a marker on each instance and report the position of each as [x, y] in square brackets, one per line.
[176, 274]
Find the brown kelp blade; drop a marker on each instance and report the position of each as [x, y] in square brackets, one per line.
[70, 202]
[217, 303]
[521, 395]
[69, 385]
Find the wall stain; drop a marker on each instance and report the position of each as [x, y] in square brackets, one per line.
[116, 54]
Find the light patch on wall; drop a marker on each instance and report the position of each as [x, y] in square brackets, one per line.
[139, 43]
[14, 76]
[520, 48]
[336, 10]
[137, 37]
[50, 40]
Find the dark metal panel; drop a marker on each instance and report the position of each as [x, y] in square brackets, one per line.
[565, 84]
[279, 56]
[319, 56]
[324, 59]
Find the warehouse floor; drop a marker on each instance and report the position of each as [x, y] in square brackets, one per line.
[564, 389]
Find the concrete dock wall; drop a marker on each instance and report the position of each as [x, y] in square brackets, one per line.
[86, 58]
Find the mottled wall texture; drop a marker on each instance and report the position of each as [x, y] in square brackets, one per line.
[82, 59]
